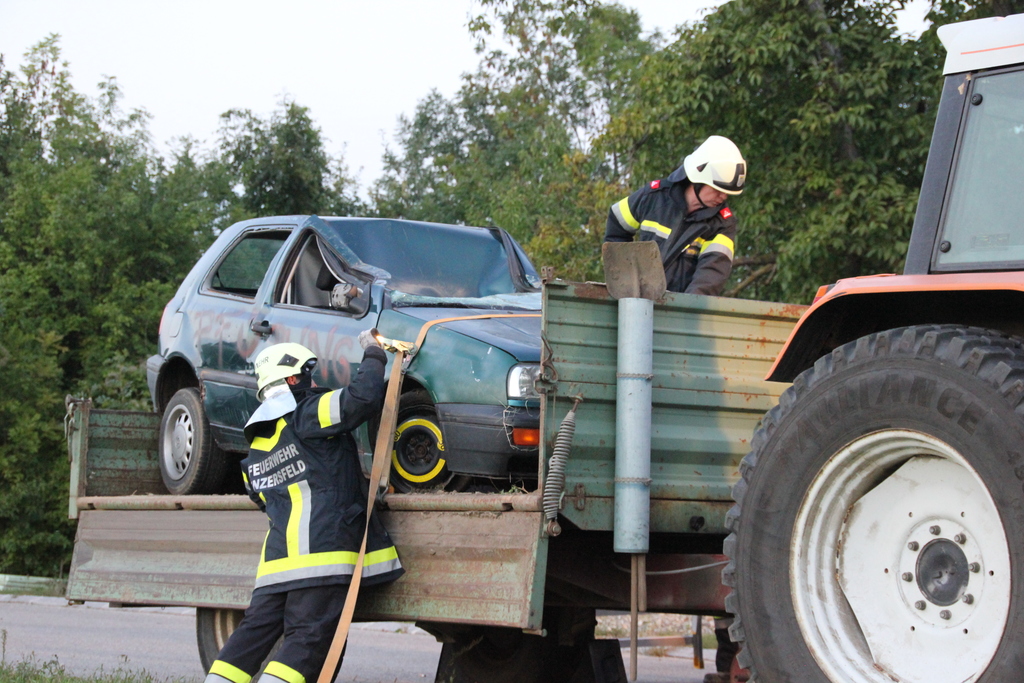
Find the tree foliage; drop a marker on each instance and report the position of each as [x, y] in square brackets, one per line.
[512, 147]
[282, 165]
[96, 232]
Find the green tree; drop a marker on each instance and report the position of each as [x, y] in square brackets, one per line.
[95, 234]
[282, 165]
[513, 147]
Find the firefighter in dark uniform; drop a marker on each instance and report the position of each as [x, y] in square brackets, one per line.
[686, 215]
[303, 471]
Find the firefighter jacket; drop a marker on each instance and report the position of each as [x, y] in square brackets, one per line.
[303, 470]
[696, 248]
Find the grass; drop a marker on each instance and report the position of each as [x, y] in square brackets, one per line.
[52, 671]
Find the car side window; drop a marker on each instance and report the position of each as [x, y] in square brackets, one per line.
[316, 278]
[242, 270]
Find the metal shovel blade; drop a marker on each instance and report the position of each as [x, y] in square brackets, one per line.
[633, 270]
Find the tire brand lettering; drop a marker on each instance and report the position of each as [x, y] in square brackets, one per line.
[948, 403]
[922, 390]
[829, 413]
[890, 392]
[951, 404]
[854, 397]
[971, 417]
[806, 435]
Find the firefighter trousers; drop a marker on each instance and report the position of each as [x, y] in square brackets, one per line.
[307, 617]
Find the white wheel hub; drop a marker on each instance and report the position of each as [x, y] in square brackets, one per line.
[178, 442]
[900, 566]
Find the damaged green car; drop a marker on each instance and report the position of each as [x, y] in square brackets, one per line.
[469, 409]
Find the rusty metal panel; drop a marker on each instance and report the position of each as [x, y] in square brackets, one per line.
[157, 557]
[122, 458]
[112, 452]
[478, 567]
[710, 355]
[465, 567]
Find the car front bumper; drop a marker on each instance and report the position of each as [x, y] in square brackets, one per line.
[478, 439]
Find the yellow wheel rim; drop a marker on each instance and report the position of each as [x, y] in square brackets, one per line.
[418, 478]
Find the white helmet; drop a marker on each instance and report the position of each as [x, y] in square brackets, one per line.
[718, 163]
[280, 361]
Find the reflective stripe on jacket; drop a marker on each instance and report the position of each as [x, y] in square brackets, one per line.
[696, 248]
[304, 468]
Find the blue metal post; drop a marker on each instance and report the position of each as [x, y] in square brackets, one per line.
[633, 426]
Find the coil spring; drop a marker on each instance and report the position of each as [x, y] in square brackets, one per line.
[554, 483]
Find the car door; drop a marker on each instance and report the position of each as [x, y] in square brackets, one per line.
[225, 309]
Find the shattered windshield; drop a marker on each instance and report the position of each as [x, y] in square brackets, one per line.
[431, 260]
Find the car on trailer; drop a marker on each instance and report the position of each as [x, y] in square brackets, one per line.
[468, 409]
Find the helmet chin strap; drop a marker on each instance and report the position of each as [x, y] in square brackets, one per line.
[304, 384]
[697, 187]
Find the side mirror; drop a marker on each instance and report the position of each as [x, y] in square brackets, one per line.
[342, 296]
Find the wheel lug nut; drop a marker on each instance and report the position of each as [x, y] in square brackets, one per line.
[968, 599]
[907, 576]
[960, 538]
[945, 614]
[919, 604]
[913, 546]
[934, 530]
[974, 567]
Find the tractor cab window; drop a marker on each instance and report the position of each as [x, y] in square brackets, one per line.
[983, 227]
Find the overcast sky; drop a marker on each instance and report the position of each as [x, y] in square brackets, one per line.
[356, 64]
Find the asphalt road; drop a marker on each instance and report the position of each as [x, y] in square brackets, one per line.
[90, 638]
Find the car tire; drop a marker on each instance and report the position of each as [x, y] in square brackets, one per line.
[896, 459]
[190, 462]
[417, 457]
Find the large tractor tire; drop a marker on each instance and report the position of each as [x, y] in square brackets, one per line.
[879, 516]
[190, 461]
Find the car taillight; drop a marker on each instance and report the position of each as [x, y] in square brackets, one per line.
[525, 437]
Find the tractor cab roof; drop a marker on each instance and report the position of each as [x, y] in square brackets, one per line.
[983, 43]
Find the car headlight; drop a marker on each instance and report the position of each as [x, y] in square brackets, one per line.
[522, 380]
